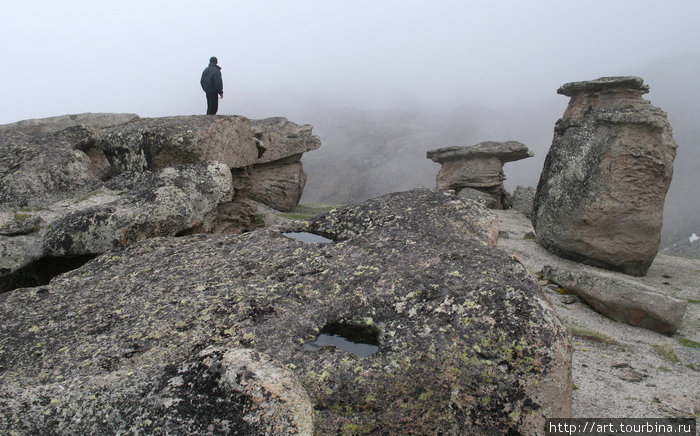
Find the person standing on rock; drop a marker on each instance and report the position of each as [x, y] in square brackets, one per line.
[213, 85]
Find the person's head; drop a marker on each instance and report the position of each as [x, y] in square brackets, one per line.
[213, 60]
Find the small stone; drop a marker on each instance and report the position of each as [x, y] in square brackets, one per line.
[621, 365]
[568, 299]
[502, 234]
[632, 376]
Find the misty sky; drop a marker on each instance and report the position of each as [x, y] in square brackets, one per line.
[146, 57]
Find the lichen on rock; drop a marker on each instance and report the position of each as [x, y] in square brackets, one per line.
[601, 193]
[93, 182]
[468, 343]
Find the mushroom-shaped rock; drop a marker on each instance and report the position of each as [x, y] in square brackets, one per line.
[478, 167]
[601, 192]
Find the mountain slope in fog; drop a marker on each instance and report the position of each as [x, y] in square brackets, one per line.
[367, 153]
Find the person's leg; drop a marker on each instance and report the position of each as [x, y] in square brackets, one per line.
[212, 103]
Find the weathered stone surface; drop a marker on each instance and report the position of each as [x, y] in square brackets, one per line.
[161, 203]
[36, 170]
[601, 193]
[523, 200]
[50, 167]
[279, 139]
[138, 206]
[478, 167]
[18, 223]
[146, 339]
[621, 299]
[155, 143]
[481, 197]
[614, 84]
[279, 186]
[43, 126]
[507, 151]
[16, 253]
[237, 216]
[480, 172]
[272, 398]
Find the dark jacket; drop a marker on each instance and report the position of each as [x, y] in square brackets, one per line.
[211, 79]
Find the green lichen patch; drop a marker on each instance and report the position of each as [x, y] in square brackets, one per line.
[463, 331]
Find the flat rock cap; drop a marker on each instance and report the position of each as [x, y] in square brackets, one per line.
[505, 151]
[602, 84]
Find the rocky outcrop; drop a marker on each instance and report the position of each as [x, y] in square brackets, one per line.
[478, 167]
[209, 333]
[42, 126]
[657, 301]
[162, 203]
[80, 185]
[611, 357]
[601, 193]
[621, 299]
[523, 200]
[278, 176]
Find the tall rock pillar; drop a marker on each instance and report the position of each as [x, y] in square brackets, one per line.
[601, 193]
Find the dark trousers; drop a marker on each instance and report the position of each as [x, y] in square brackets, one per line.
[212, 103]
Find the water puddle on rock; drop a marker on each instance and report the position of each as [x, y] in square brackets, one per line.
[308, 238]
[361, 341]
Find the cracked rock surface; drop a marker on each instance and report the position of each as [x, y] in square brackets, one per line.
[143, 339]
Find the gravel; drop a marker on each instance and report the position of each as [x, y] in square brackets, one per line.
[621, 371]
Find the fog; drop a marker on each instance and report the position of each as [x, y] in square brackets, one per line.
[146, 56]
[381, 81]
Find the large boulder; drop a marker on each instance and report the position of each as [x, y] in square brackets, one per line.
[277, 179]
[208, 334]
[601, 193]
[79, 185]
[620, 298]
[279, 139]
[279, 185]
[162, 203]
[35, 170]
[129, 208]
[155, 143]
[478, 168]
